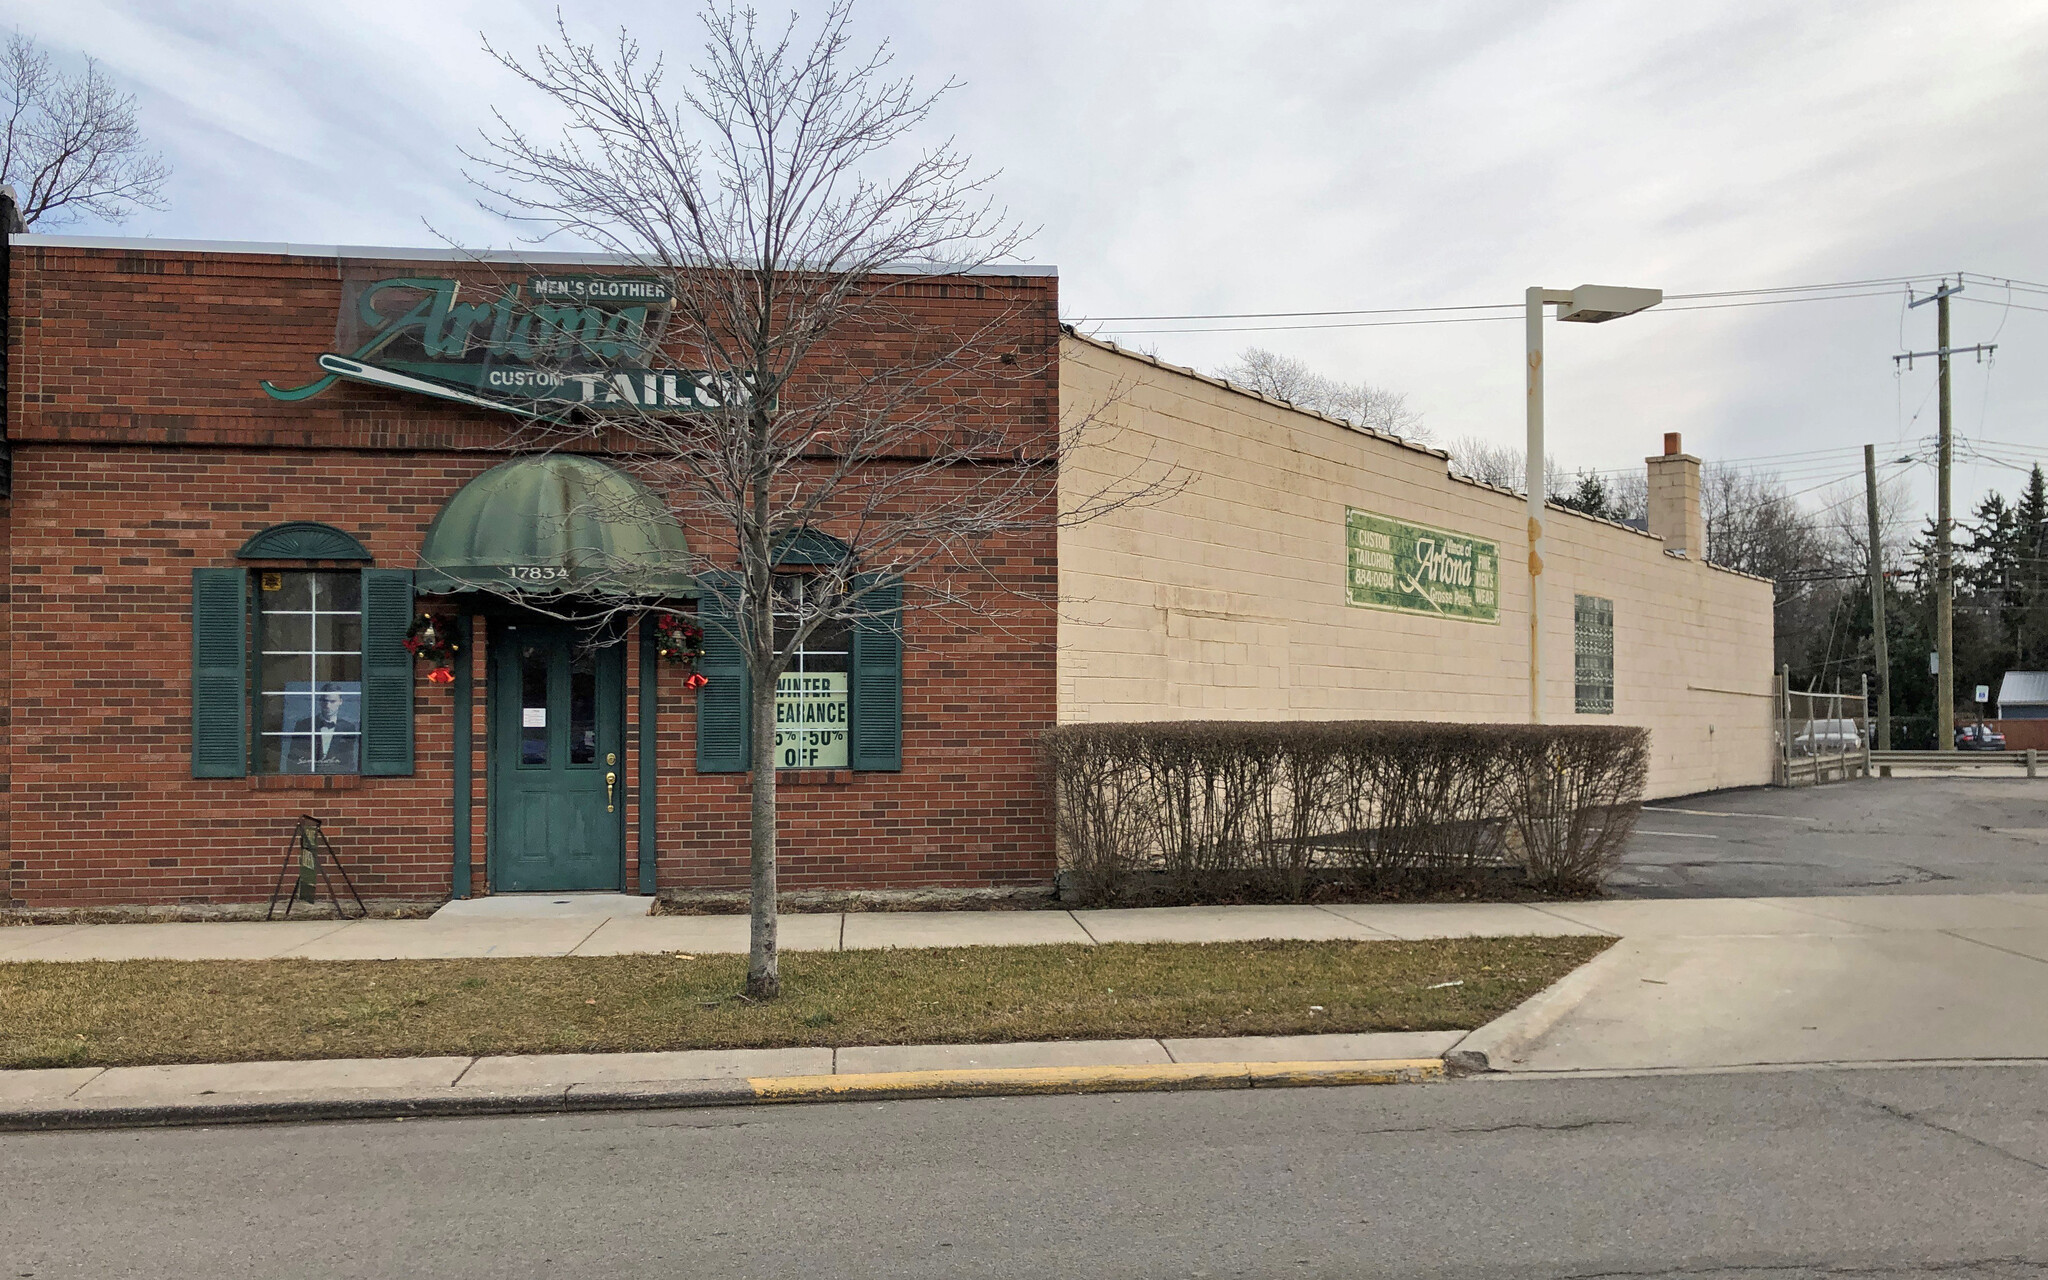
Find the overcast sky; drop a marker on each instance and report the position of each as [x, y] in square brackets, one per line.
[1185, 157]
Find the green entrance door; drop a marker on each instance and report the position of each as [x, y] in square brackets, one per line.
[557, 784]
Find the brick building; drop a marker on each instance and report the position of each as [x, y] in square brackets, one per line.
[241, 474]
[225, 482]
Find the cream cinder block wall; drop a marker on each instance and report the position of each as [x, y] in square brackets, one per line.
[1227, 599]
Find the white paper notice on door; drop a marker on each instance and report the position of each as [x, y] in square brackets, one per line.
[533, 717]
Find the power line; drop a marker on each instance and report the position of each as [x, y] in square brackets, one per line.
[1504, 319]
[1766, 296]
[1512, 306]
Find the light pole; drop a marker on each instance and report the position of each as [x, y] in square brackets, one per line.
[1587, 304]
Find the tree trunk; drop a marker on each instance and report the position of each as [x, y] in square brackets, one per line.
[764, 962]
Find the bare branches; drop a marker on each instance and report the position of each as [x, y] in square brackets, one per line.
[1359, 403]
[750, 187]
[1501, 465]
[71, 147]
[881, 381]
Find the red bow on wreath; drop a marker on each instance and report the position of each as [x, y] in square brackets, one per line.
[435, 639]
[681, 642]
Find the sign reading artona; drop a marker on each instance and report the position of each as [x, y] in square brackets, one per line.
[568, 342]
[1412, 568]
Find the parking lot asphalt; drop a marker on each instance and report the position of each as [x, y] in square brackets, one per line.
[1944, 834]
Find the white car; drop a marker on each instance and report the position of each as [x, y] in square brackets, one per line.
[1829, 736]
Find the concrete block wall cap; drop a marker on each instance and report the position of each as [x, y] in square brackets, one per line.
[1105, 344]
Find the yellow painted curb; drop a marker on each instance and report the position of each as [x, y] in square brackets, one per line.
[994, 1081]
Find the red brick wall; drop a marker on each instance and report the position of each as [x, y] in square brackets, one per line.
[145, 449]
[2019, 734]
[6, 680]
[103, 804]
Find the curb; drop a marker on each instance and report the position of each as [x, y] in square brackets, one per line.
[392, 1104]
[1493, 1046]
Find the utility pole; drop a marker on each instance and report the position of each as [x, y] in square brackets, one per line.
[1944, 557]
[1944, 554]
[1877, 631]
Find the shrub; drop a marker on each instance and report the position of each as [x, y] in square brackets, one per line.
[1209, 809]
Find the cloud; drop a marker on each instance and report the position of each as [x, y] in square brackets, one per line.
[1206, 155]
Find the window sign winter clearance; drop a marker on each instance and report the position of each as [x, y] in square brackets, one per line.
[810, 720]
[1412, 568]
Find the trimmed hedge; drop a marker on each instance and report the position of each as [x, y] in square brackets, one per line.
[1216, 809]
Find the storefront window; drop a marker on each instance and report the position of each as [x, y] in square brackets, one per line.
[583, 706]
[533, 705]
[310, 690]
[811, 697]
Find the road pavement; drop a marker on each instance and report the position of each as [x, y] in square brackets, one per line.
[1786, 1174]
[1943, 834]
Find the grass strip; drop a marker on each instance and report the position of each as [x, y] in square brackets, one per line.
[136, 1012]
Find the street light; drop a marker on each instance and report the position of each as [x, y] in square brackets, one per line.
[1587, 304]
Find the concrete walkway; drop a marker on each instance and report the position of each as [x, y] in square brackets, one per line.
[1999, 919]
[1724, 983]
[572, 1070]
[1691, 983]
[577, 929]
[89, 1097]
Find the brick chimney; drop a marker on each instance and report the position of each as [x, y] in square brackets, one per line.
[1675, 500]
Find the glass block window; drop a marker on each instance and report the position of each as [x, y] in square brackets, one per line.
[309, 671]
[811, 698]
[1593, 656]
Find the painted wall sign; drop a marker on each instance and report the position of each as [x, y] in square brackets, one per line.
[537, 349]
[1412, 568]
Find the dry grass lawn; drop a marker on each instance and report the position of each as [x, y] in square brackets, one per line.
[112, 1013]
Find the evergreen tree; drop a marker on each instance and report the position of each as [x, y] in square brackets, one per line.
[1590, 496]
[2028, 620]
[1989, 567]
[2032, 512]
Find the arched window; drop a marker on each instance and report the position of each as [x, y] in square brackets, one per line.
[299, 659]
[840, 705]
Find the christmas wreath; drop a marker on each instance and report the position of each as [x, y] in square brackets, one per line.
[434, 639]
[682, 643]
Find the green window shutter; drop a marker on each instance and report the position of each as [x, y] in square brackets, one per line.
[387, 671]
[220, 673]
[724, 722]
[877, 695]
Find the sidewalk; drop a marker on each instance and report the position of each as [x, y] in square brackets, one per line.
[1708, 984]
[1692, 984]
[584, 926]
[369, 1088]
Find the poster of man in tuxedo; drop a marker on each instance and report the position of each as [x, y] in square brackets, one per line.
[326, 733]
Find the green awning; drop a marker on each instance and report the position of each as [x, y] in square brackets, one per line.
[556, 524]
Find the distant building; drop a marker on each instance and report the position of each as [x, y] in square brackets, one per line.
[2023, 695]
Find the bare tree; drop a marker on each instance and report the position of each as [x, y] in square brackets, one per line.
[1477, 458]
[1756, 525]
[1360, 403]
[72, 148]
[749, 191]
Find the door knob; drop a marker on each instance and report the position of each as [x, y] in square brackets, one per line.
[610, 780]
